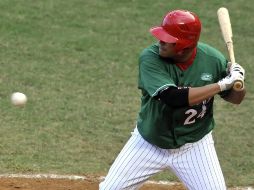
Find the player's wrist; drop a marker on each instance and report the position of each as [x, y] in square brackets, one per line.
[222, 86]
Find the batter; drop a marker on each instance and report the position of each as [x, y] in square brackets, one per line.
[178, 79]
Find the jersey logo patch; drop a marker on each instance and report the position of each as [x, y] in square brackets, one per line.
[206, 77]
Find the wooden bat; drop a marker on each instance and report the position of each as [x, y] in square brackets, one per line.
[226, 30]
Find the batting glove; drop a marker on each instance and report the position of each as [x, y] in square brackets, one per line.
[228, 82]
[239, 68]
[239, 74]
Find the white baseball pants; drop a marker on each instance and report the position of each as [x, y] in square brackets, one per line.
[195, 164]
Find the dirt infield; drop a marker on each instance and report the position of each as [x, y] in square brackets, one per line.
[86, 183]
[66, 184]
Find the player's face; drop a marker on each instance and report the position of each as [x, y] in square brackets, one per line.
[166, 49]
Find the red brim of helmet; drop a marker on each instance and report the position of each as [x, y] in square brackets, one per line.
[162, 35]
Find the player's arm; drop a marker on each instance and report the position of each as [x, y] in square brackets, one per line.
[188, 96]
[197, 95]
[191, 96]
[235, 97]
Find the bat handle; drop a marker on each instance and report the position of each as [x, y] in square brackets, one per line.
[238, 85]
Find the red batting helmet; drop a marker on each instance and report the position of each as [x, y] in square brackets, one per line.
[181, 27]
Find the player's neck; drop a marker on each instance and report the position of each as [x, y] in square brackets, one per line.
[185, 65]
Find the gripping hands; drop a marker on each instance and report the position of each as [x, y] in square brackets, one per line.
[237, 73]
[237, 68]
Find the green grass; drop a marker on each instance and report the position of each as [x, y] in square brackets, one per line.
[77, 63]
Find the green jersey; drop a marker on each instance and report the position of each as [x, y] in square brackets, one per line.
[171, 127]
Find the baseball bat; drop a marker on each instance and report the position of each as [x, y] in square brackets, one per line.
[227, 34]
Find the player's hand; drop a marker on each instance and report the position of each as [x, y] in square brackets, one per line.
[228, 82]
[239, 77]
[237, 67]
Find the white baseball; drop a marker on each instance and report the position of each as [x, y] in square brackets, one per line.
[18, 99]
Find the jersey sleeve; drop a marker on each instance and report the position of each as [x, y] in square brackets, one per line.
[153, 75]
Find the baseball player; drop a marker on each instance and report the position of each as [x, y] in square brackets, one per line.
[178, 79]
